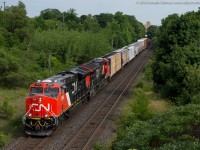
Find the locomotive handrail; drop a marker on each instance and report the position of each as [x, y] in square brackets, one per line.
[52, 114]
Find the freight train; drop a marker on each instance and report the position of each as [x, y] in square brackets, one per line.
[50, 100]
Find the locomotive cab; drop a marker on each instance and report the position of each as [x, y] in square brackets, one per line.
[40, 117]
[46, 101]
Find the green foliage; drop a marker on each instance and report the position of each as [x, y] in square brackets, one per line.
[20, 67]
[3, 139]
[182, 144]
[51, 14]
[148, 74]
[138, 111]
[15, 24]
[6, 110]
[34, 48]
[140, 84]
[16, 126]
[166, 131]
[152, 31]
[71, 46]
[140, 107]
[192, 85]
[179, 48]
[98, 146]
[90, 23]
[104, 19]
[121, 28]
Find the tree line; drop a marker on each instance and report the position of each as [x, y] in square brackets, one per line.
[34, 48]
[176, 67]
[175, 77]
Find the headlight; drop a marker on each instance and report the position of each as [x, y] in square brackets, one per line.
[30, 115]
[40, 99]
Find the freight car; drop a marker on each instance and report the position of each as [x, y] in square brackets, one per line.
[50, 100]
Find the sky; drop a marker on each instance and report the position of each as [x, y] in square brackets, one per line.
[144, 10]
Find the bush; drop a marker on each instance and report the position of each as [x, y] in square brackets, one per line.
[196, 98]
[165, 131]
[148, 71]
[6, 110]
[16, 125]
[139, 85]
[98, 146]
[140, 107]
[3, 139]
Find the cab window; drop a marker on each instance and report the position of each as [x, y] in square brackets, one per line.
[51, 92]
[36, 90]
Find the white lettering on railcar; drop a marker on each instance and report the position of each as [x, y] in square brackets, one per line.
[62, 97]
[40, 106]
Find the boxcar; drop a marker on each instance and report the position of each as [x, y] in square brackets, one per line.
[115, 62]
[132, 51]
[143, 43]
[124, 55]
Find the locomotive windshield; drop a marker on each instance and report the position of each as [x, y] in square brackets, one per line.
[36, 90]
[52, 92]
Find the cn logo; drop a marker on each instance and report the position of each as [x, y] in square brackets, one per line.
[40, 106]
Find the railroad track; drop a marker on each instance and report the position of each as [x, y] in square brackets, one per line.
[87, 135]
[29, 143]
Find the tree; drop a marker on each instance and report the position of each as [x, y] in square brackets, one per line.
[16, 25]
[152, 31]
[178, 39]
[72, 20]
[104, 19]
[174, 129]
[53, 14]
[90, 23]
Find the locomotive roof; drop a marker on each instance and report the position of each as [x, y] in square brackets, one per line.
[80, 71]
[92, 64]
[59, 79]
[98, 60]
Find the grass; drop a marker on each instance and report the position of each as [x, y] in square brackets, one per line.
[159, 106]
[11, 126]
[15, 97]
[155, 105]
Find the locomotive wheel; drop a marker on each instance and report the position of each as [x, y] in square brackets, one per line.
[67, 114]
[88, 97]
[61, 120]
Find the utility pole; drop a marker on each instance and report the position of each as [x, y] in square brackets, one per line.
[49, 63]
[63, 26]
[63, 18]
[4, 5]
